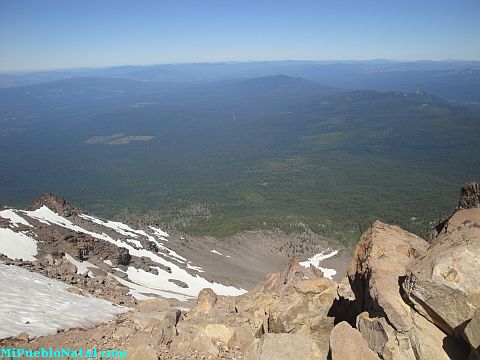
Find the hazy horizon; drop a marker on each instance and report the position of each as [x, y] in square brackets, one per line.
[325, 61]
[54, 34]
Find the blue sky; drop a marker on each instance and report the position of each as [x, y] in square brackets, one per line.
[44, 34]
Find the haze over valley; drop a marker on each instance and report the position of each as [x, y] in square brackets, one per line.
[215, 149]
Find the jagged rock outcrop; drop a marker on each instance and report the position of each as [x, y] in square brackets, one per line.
[469, 196]
[289, 311]
[441, 285]
[59, 205]
[391, 327]
[377, 267]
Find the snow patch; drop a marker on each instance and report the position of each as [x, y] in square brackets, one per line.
[195, 268]
[17, 245]
[216, 252]
[159, 233]
[136, 243]
[119, 227]
[149, 281]
[315, 260]
[13, 217]
[195, 283]
[37, 305]
[82, 266]
[142, 293]
[47, 216]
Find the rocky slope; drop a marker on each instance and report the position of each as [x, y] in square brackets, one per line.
[403, 298]
[109, 259]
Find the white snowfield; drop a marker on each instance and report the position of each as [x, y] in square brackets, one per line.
[213, 251]
[13, 217]
[315, 260]
[38, 305]
[143, 284]
[17, 245]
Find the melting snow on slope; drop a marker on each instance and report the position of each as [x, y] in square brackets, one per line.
[136, 243]
[17, 245]
[128, 231]
[149, 283]
[140, 292]
[13, 217]
[47, 216]
[317, 259]
[159, 233]
[216, 252]
[160, 281]
[38, 305]
[119, 227]
[195, 283]
[82, 266]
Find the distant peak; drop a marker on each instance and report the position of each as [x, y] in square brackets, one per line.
[54, 203]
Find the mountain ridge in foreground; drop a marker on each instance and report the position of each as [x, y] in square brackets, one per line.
[402, 298]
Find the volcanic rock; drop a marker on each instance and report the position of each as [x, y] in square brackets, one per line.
[347, 343]
[58, 205]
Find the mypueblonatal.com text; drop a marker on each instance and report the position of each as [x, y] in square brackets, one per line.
[50, 353]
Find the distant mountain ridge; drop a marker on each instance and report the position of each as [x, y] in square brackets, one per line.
[375, 75]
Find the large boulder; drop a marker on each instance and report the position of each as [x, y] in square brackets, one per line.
[220, 333]
[383, 339]
[347, 343]
[441, 284]
[391, 327]
[377, 268]
[206, 300]
[301, 304]
[156, 316]
[122, 257]
[285, 347]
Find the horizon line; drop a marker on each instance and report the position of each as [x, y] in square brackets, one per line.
[79, 68]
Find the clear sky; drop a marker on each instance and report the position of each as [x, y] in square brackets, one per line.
[42, 34]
